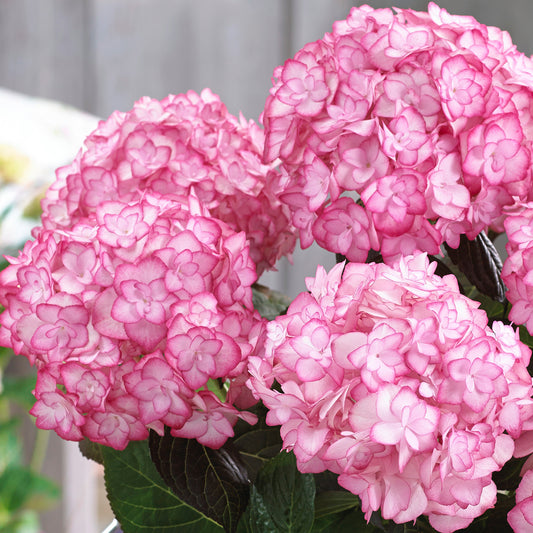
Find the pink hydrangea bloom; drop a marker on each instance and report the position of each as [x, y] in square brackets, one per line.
[393, 380]
[517, 272]
[127, 337]
[133, 296]
[520, 517]
[424, 116]
[170, 148]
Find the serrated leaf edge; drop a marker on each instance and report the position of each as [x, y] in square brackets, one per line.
[163, 487]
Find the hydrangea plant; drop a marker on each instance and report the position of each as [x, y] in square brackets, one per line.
[393, 380]
[396, 393]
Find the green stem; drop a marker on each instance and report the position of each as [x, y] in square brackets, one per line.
[4, 408]
[39, 450]
[215, 386]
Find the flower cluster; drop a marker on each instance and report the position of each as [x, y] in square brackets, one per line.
[517, 270]
[426, 118]
[392, 379]
[520, 518]
[183, 144]
[134, 301]
[397, 132]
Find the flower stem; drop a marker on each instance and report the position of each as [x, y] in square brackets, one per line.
[39, 450]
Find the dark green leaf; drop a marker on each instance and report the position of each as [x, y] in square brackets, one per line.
[339, 258]
[480, 262]
[257, 518]
[214, 482]
[350, 521]
[91, 450]
[269, 303]
[372, 257]
[282, 498]
[333, 502]
[508, 478]
[377, 521]
[141, 500]
[326, 482]
[495, 310]
[257, 444]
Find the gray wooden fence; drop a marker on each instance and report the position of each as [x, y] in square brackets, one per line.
[102, 55]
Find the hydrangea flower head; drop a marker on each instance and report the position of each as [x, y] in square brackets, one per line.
[184, 143]
[393, 380]
[134, 300]
[422, 116]
[517, 270]
[520, 517]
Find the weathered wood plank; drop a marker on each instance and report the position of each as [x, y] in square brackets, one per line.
[156, 47]
[42, 48]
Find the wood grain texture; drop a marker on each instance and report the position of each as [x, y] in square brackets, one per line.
[157, 47]
[42, 49]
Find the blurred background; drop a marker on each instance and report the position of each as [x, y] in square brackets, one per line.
[96, 56]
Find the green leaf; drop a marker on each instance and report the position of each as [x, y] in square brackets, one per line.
[350, 521]
[24, 522]
[215, 482]
[21, 488]
[257, 518]
[328, 481]
[269, 303]
[282, 499]
[10, 446]
[495, 310]
[91, 450]
[480, 262]
[508, 478]
[340, 511]
[333, 502]
[217, 388]
[19, 389]
[141, 500]
[43, 493]
[5, 353]
[257, 444]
